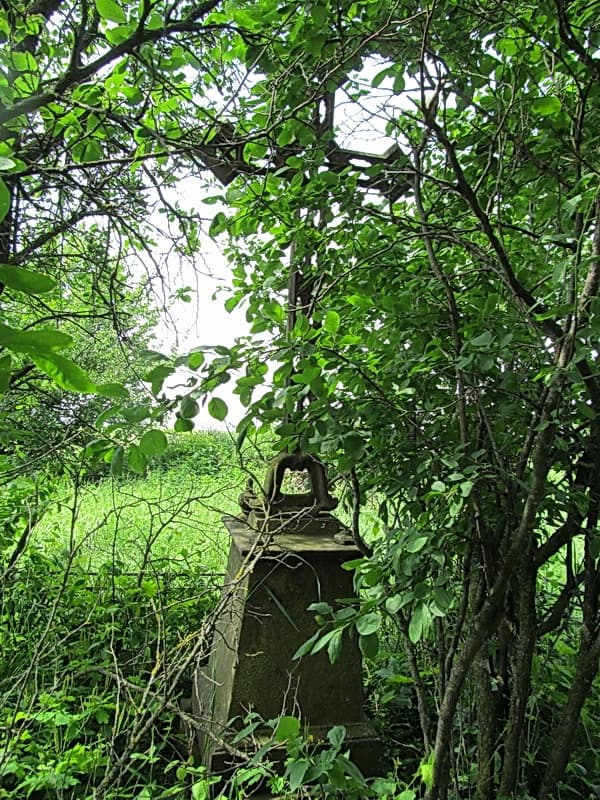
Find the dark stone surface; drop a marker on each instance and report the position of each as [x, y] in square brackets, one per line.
[251, 667]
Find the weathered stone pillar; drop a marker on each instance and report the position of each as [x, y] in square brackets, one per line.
[265, 621]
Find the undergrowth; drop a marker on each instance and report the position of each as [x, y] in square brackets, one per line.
[104, 613]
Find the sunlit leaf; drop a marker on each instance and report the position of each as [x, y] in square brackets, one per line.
[287, 728]
[112, 390]
[332, 321]
[415, 628]
[40, 340]
[546, 106]
[64, 372]
[195, 360]
[368, 624]
[334, 646]
[111, 10]
[25, 280]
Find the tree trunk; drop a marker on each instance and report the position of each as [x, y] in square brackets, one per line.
[520, 678]
[487, 727]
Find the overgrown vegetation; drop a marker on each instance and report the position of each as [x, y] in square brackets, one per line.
[103, 617]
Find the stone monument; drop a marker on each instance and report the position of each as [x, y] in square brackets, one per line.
[286, 553]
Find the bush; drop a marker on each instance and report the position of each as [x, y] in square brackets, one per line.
[198, 453]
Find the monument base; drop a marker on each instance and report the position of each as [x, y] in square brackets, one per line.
[361, 740]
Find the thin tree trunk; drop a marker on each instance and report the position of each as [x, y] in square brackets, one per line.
[589, 653]
[420, 691]
[487, 727]
[520, 679]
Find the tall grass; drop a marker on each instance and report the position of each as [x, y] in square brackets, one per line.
[169, 518]
[103, 619]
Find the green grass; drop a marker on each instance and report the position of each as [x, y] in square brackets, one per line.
[169, 519]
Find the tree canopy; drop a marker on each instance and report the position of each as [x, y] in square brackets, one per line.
[441, 347]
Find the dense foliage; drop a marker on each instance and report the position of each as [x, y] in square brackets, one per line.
[101, 618]
[441, 347]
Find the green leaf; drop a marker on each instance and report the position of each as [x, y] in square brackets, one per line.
[415, 628]
[336, 736]
[153, 442]
[381, 76]
[466, 487]
[354, 446]
[64, 372]
[201, 790]
[195, 360]
[394, 603]
[113, 390]
[116, 464]
[287, 728]
[117, 35]
[136, 459]
[368, 623]
[320, 608]
[183, 425]
[353, 564]
[157, 376]
[319, 15]
[111, 10]
[86, 151]
[417, 544]
[399, 84]
[217, 408]
[188, 408]
[218, 224]
[369, 645]
[483, 340]
[425, 770]
[334, 646]
[25, 280]
[546, 106]
[306, 647]
[332, 321]
[295, 772]
[307, 375]
[136, 413]
[4, 200]
[42, 340]
[442, 598]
